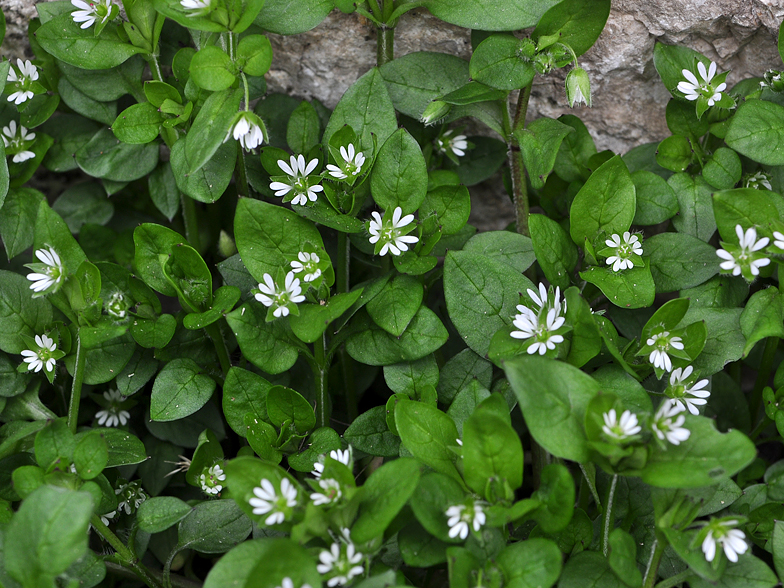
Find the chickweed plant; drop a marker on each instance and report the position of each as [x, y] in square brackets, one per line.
[256, 343]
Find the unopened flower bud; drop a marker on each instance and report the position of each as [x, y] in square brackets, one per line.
[527, 49]
[773, 80]
[543, 63]
[226, 246]
[435, 111]
[578, 87]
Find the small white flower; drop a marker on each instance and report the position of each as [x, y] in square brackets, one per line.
[344, 456]
[758, 181]
[108, 517]
[659, 356]
[210, 480]
[542, 333]
[541, 299]
[622, 429]
[298, 172]
[624, 249]
[687, 397]
[247, 130]
[391, 234]
[308, 263]
[665, 427]
[353, 162]
[732, 540]
[693, 88]
[744, 255]
[269, 294]
[779, 239]
[130, 496]
[51, 270]
[288, 583]
[463, 517]
[28, 73]
[17, 143]
[196, 7]
[89, 12]
[113, 415]
[332, 492]
[268, 501]
[457, 144]
[341, 561]
[42, 357]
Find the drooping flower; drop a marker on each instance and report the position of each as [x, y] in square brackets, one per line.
[620, 429]
[662, 342]
[210, 480]
[130, 496]
[341, 562]
[28, 74]
[693, 87]
[456, 144]
[307, 263]
[117, 306]
[668, 423]
[280, 299]
[745, 257]
[687, 396]
[17, 144]
[41, 358]
[344, 456]
[779, 239]
[288, 583]
[331, 492]
[352, 163]
[623, 250]
[463, 517]
[732, 540]
[50, 272]
[758, 181]
[113, 414]
[542, 333]
[89, 12]
[298, 181]
[391, 233]
[578, 88]
[248, 129]
[267, 501]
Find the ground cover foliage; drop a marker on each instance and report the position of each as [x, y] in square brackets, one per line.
[255, 342]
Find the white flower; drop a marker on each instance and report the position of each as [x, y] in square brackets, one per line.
[744, 255]
[51, 270]
[131, 496]
[622, 429]
[542, 333]
[663, 341]
[269, 294]
[27, 75]
[88, 13]
[298, 173]
[341, 561]
[108, 517]
[332, 492]
[196, 7]
[693, 88]
[391, 234]
[461, 517]
[687, 397]
[42, 357]
[268, 501]
[732, 540]
[307, 263]
[457, 144]
[758, 181]
[210, 480]
[541, 298]
[779, 239]
[344, 456]
[17, 144]
[621, 258]
[247, 130]
[113, 415]
[665, 427]
[352, 166]
[287, 583]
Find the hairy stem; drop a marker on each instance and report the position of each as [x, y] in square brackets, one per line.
[321, 374]
[652, 570]
[607, 521]
[591, 487]
[243, 189]
[519, 186]
[76, 385]
[190, 221]
[124, 553]
[122, 570]
[385, 45]
[219, 342]
[675, 580]
[763, 375]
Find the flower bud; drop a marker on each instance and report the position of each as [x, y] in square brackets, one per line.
[435, 111]
[773, 80]
[526, 50]
[578, 87]
[543, 62]
[226, 246]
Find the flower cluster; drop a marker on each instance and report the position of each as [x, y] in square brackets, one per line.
[22, 81]
[746, 258]
[463, 517]
[341, 562]
[391, 235]
[276, 506]
[297, 181]
[112, 414]
[666, 424]
[280, 300]
[541, 326]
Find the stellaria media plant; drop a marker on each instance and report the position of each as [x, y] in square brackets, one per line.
[257, 343]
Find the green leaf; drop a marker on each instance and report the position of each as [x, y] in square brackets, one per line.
[151, 242]
[224, 300]
[161, 512]
[55, 441]
[777, 544]
[553, 397]
[154, 333]
[213, 527]
[266, 345]
[540, 143]
[606, 202]
[437, 492]
[588, 568]
[106, 157]
[674, 153]
[303, 131]
[656, 201]
[163, 190]
[180, 389]
[211, 127]
[696, 210]
[763, 317]
[576, 23]
[535, 563]
[451, 205]
[369, 433]
[104, 360]
[277, 558]
[66, 40]
[481, 296]
[556, 493]
[458, 373]
[285, 404]
[497, 62]
[314, 319]
[244, 392]
[138, 124]
[20, 314]
[489, 15]
[365, 107]
[386, 492]
[723, 169]
[124, 448]
[17, 223]
[399, 175]
[746, 207]
[505, 246]
[492, 454]
[749, 572]
[428, 434]
[91, 455]
[631, 288]
[84, 203]
[209, 182]
[623, 557]
[412, 377]
[725, 341]
[396, 305]
[719, 291]
[671, 60]
[211, 69]
[679, 261]
[755, 127]
[555, 252]
[291, 17]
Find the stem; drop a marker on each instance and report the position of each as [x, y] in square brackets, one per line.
[608, 518]
[156, 71]
[219, 342]
[124, 553]
[763, 375]
[243, 190]
[177, 581]
[675, 580]
[519, 186]
[321, 373]
[591, 487]
[190, 220]
[344, 255]
[763, 424]
[385, 45]
[539, 459]
[652, 571]
[231, 46]
[76, 386]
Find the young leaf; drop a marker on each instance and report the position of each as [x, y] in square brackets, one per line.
[679, 261]
[555, 252]
[399, 175]
[576, 23]
[490, 15]
[428, 434]
[540, 143]
[754, 128]
[497, 62]
[180, 389]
